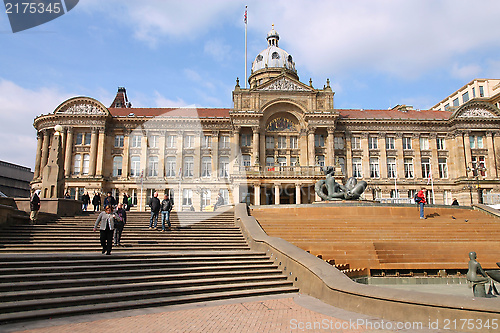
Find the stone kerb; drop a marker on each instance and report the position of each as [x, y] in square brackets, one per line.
[58, 206]
[319, 279]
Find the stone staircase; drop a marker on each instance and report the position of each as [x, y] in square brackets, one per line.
[388, 238]
[57, 269]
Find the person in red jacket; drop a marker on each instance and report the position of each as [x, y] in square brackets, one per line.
[420, 198]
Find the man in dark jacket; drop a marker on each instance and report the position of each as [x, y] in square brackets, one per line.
[120, 221]
[96, 201]
[110, 201]
[34, 206]
[155, 205]
[166, 207]
[85, 200]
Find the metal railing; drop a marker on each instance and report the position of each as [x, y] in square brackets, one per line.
[283, 171]
[491, 198]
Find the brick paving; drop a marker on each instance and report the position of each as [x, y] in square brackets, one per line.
[274, 315]
[299, 313]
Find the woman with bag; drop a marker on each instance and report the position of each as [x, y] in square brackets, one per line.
[107, 225]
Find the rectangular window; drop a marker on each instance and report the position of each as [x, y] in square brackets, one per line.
[472, 142]
[339, 142]
[391, 167]
[465, 97]
[246, 160]
[246, 140]
[440, 143]
[269, 161]
[473, 92]
[189, 141]
[224, 167]
[205, 197]
[294, 160]
[372, 142]
[356, 142]
[86, 164]
[294, 142]
[224, 141]
[407, 143]
[153, 166]
[187, 197]
[342, 164]
[478, 166]
[269, 142]
[206, 142]
[481, 91]
[225, 196]
[357, 167]
[88, 138]
[443, 168]
[171, 139]
[117, 166]
[480, 142]
[77, 164]
[424, 143]
[79, 138]
[319, 140]
[426, 167]
[119, 141]
[188, 166]
[447, 106]
[282, 161]
[170, 167]
[408, 165]
[282, 142]
[374, 169]
[153, 141]
[136, 141]
[206, 166]
[135, 166]
[390, 143]
[455, 102]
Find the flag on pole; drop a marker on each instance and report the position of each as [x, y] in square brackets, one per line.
[245, 20]
[429, 178]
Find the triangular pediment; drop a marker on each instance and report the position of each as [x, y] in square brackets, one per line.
[476, 110]
[82, 106]
[284, 83]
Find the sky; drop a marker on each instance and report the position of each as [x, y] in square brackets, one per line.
[376, 53]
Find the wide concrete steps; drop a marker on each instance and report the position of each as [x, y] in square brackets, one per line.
[48, 286]
[388, 237]
[57, 269]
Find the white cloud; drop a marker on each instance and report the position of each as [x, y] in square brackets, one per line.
[18, 108]
[466, 72]
[219, 50]
[162, 102]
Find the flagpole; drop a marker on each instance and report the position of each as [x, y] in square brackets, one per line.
[246, 78]
[432, 183]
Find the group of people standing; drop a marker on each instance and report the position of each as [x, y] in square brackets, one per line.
[165, 206]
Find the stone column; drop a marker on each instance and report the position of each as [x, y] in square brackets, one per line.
[297, 194]
[330, 148]
[496, 143]
[38, 160]
[263, 150]
[101, 153]
[161, 157]
[468, 157]
[303, 146]
[460, 162]
[126, 154]
[400, 163]
[236, 193]
[235, 151]
[310, 148]
[68, 152]
[417, 161]
[178, 161]
[256, 194]
[434, 156]
[144, 156]
[276, 193]
[45, 149]
[197, 155]
[382, 162]
[491, 165]
[215, 155]
[93, 152]
[255, 144]
[365, 160]
[348, 156]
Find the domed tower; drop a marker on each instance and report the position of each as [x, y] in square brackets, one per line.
[271, 62]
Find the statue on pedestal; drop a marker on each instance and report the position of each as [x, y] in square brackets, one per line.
[329, 189]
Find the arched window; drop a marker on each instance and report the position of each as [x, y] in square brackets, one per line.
[275, 55]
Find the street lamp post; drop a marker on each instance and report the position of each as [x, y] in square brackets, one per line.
[477, 172]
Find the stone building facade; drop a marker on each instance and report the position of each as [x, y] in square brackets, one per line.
[271, 147]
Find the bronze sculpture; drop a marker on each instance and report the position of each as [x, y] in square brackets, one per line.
[329, 189]
[477, 276]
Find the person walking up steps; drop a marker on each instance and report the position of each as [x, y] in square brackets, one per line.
[166, 206]
[420, 199]
[155, 205]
